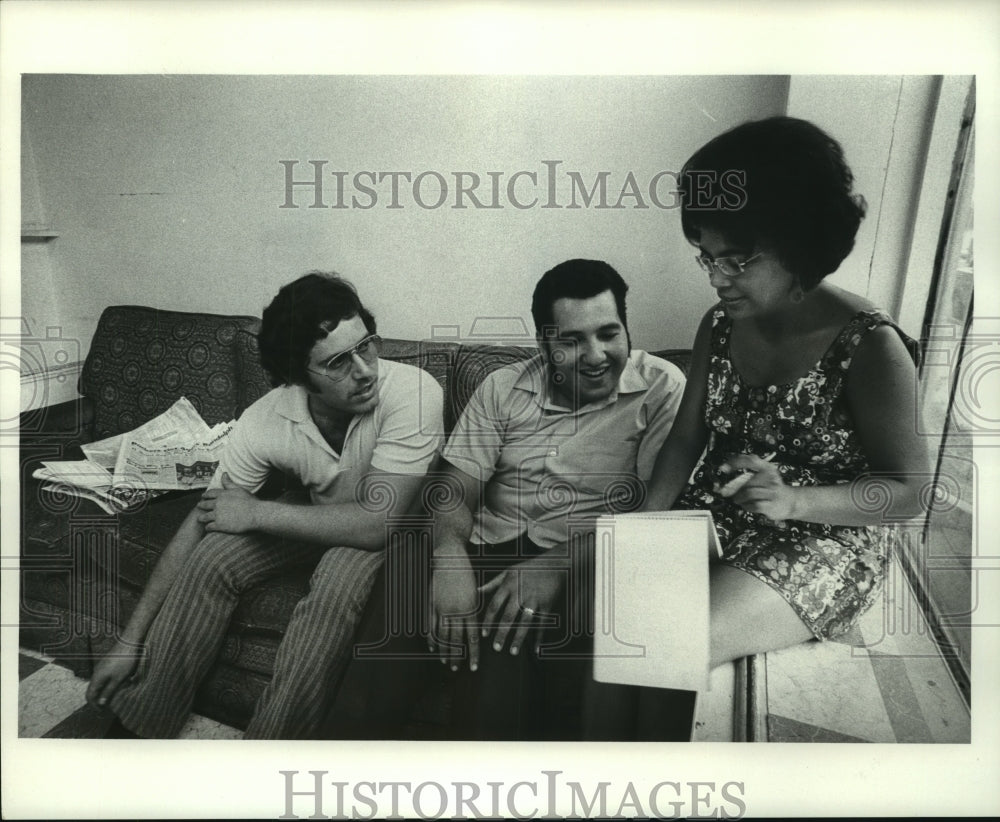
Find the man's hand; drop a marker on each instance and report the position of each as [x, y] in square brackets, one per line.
[110, 673]
[230, 509]
[521, 595]
[453, 611]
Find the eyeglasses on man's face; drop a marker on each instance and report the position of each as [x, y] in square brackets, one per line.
[339, 366]
[729, 266]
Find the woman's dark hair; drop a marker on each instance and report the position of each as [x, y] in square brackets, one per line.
[781, 184]
[578, 279]
[302, 313]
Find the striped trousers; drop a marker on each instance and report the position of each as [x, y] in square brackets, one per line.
[185, 638]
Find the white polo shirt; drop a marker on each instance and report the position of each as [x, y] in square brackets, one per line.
[401, 435]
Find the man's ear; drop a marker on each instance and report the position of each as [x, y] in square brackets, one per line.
[544, 341]
[307, 383]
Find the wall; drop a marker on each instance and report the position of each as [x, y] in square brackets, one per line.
[166, 190]
[884, 125]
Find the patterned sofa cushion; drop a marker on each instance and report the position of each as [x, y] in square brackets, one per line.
[436, 358]
[252, 382]
[473, 363]
[143, 359]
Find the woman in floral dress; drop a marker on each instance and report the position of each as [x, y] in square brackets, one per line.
[804, 389]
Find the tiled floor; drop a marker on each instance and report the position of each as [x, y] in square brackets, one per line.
[884, 682]
[51, 704]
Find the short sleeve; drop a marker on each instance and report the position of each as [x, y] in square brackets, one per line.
[662, 402]
[244, 457]
[410, 430]
[475, 444]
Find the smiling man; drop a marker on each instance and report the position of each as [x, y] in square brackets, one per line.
[339, 420]
[542, 449]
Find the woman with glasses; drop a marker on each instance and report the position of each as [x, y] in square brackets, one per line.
[798, 425]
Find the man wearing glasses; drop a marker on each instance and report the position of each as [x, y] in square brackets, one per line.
[345, 424]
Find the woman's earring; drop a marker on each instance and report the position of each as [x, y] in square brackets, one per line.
[796, 295]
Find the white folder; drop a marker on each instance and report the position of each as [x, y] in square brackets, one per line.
[651, 604]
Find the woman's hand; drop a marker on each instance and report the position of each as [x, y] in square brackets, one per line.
[521, 596]
[761, 489]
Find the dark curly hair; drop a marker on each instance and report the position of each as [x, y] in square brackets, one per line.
[780, 183]
[578, 279]
[303, 312]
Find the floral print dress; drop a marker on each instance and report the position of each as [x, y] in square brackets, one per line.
[830, 574]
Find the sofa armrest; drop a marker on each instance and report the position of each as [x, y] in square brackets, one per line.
[68, 423]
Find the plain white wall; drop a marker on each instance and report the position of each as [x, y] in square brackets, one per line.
[884, 126]
[166, 190]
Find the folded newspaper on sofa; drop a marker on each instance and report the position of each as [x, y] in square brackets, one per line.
[175, 451]
[651, 605]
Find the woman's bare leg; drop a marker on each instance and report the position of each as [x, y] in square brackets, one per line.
[748, 616]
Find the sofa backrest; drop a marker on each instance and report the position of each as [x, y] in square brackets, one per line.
[141, 360]
[458, 368]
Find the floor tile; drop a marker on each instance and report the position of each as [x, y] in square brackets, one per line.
[944, 711]
[890, 684]
[84, 723]
[200, 727]
[901, 703]
[830, 686]
[714, 715]
[46, 698]
[27, 665]
[784, 729]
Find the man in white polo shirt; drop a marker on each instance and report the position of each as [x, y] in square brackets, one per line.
[346, 424]
[542, 449]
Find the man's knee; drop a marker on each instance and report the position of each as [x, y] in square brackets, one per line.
[346, 576]
[222, 559]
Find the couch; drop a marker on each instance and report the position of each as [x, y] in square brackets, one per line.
[82, 571]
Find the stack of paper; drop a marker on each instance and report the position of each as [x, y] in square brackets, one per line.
[651, 599]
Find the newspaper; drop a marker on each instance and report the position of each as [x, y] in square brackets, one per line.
[179, 425]
[170, 467]
[80, 478]
[175, 451]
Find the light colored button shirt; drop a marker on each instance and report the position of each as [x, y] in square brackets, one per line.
[400, 435]
[542, 464]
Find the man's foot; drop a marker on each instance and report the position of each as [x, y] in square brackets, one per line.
[118, 731]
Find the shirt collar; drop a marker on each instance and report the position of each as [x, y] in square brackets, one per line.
[534, 380]
[293, 403]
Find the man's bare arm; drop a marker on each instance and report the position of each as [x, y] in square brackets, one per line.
[453, 584]
[359, 523]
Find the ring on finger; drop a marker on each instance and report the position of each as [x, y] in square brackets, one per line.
[529, 611]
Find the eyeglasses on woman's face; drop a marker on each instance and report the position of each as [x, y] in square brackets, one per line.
[339, 366]
[731, 267]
